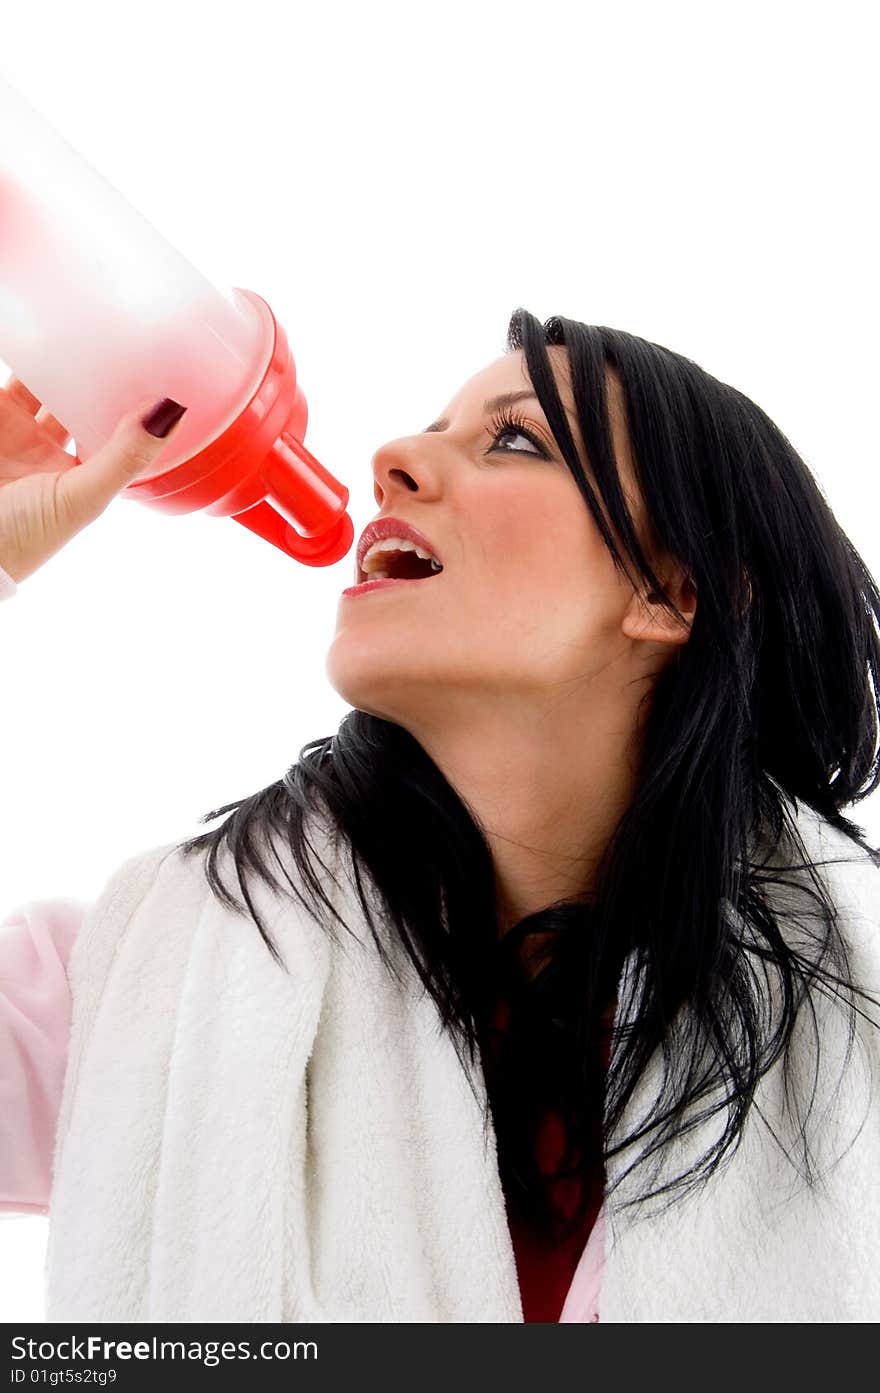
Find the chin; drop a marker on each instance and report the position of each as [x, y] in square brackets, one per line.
[375, 686]
[357, 678]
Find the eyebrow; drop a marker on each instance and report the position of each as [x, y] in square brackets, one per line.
[493, 404]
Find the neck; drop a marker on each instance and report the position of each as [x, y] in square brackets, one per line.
[547, 784]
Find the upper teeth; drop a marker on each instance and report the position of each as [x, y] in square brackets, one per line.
[395, 544]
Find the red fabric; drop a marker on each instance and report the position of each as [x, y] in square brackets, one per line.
[546, 1266]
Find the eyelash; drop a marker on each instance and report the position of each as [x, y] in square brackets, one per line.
[514, 422]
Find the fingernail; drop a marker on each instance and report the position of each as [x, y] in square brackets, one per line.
[163, 417]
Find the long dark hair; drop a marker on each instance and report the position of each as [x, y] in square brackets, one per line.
[771, 702]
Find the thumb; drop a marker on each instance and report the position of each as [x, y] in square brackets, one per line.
[135, 445]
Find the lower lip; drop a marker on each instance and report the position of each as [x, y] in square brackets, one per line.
[367, 585]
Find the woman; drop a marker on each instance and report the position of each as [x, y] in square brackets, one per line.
[587, 810]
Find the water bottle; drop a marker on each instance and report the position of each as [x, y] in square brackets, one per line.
[98, 312]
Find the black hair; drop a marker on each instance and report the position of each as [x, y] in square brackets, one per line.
[770, 703]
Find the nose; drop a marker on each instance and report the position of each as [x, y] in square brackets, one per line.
[405, 466]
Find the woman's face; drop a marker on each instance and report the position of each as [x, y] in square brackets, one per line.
[528, 604]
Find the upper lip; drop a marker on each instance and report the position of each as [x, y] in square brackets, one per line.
[381, 528]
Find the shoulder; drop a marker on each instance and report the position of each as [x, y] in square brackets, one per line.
[851, 873]
[163, 897]
[169, 872]
[106, 920]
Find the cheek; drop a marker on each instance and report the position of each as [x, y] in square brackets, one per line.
[540, 542]
[551, 594]
[514, 525]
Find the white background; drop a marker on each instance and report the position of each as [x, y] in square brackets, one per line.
[395, 180]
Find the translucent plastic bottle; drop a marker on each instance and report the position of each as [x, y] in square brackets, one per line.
[98, 312]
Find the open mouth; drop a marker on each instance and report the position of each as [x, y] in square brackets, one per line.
[398, 564]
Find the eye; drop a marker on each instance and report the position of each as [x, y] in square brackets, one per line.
[512, 424]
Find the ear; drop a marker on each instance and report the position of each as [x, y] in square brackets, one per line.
[646, 618]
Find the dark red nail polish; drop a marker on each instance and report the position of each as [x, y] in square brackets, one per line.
[163, 417]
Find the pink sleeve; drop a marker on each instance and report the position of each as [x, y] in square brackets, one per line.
[35, 1017]
[8, 586]
[582, 1301]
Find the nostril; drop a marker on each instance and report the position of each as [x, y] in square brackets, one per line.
[407, 479]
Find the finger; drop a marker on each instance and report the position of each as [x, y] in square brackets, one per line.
[51, 426]
[86, 489]
[15, 388]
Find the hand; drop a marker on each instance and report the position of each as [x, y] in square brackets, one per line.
[45, 496]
